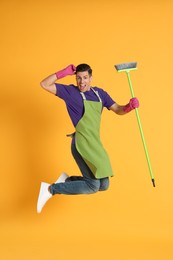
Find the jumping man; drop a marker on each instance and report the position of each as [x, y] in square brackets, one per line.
[84, 104]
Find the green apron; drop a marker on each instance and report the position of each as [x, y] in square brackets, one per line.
[87, 139]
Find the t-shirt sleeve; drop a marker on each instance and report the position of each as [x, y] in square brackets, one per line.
[106, 99]
[62, 91]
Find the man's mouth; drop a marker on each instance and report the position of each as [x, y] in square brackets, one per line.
[82, 87]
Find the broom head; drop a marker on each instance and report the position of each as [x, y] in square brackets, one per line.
[126, 66]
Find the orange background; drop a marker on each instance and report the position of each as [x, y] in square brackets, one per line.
[132, 220]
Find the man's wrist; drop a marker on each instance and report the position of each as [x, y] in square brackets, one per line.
[127, 108]
[59, 74]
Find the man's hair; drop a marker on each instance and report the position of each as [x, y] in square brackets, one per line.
[84, 67]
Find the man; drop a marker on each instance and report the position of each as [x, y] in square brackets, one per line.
[84, 104]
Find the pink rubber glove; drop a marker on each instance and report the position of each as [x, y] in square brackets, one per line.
[70, 70]
[134, 103]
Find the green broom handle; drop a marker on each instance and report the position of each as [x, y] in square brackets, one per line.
[141, 131]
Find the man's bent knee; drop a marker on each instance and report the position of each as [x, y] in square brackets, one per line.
[104, 184]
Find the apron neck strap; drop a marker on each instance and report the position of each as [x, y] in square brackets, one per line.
[96, 92]
[83, 96]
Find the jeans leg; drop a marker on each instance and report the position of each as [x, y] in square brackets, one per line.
[75, 187]
[77, 184]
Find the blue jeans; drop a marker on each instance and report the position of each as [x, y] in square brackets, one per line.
[85, 184]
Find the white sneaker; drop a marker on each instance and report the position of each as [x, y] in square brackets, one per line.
[44, 196]
[62, 178]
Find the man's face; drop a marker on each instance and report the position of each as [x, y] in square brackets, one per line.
[83, 80]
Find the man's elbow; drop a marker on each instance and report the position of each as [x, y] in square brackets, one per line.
[47, 87]
[43, 85]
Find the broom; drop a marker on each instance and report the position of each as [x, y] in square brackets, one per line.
[127, 67]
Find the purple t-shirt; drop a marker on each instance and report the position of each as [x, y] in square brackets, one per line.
[74, 101]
